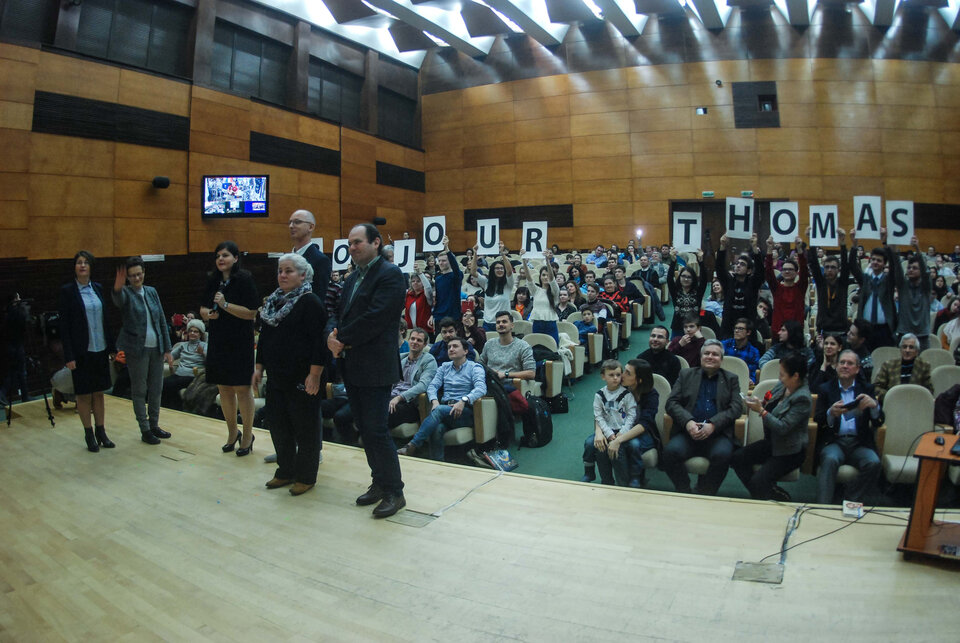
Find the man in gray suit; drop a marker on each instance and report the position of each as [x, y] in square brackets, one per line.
[363, 333]
[418, 368]
[704, 404]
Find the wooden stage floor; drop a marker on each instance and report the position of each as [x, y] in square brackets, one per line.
[181, 542]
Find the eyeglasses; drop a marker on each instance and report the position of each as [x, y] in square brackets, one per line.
[297, 222]
[740, 329]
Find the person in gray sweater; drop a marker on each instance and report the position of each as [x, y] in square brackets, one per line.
[511, 358]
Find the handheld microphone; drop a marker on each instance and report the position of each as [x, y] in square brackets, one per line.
[219, 289]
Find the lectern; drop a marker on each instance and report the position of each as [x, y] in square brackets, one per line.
[924, 536]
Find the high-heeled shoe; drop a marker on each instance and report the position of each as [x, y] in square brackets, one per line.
[102, 439]
[227, 448]
[246, 451]
[92, 445]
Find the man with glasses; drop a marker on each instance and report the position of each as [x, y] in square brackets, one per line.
[739, 346]
[909, 368]
[302, 223]
[788, 294]
[741, 288]
[831, 285]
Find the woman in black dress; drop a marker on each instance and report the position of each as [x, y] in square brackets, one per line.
[229, 307]
[86, 348]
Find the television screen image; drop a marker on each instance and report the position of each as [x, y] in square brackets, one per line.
[235, 196]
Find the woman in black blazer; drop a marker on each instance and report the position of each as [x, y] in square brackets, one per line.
[86, 348]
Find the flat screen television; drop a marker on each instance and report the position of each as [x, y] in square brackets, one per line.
[227, 197]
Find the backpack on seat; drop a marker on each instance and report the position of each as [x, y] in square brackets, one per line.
[537, 423]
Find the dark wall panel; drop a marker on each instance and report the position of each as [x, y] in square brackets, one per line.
[557, 216]
[400, 177]
[284, 152]
[87, 118]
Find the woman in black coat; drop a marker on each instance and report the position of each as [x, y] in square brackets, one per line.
[229, 307]
[292, 350]
[86, 348]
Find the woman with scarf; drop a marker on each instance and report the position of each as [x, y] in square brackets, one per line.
[292, 350]
[229, 307]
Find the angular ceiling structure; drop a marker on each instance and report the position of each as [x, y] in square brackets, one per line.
[406, 29]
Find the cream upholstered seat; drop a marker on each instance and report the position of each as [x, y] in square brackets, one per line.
[937, 357]
[909, 413]
[880, 355]
[739, 368]
[579, 352]
[769, 371]
[664, 422]
[944, 377]
[553, 369]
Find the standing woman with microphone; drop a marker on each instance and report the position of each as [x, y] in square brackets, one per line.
[229, 306]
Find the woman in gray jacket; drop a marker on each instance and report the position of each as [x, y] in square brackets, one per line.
[145, 340]
[784, 412]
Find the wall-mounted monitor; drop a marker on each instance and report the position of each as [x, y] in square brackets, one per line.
[226, 197]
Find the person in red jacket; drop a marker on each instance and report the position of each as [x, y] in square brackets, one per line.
[788, 295]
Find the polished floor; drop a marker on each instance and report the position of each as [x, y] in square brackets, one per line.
[181, 542]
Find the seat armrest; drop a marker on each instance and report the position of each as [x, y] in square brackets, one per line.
[484, 420]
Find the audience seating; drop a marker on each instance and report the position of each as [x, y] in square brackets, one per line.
[909, 413]
[739, 368]
[770, 371]
[937, 357]
[944, 377]
[707, 333]
[553, 369]
[579, 352]
[522, 327]
[880, 355]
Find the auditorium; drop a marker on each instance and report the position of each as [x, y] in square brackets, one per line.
[268, 266]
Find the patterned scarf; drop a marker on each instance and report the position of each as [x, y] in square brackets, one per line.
[280, 303]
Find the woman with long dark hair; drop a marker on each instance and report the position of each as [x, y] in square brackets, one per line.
[497, 286]
[521, 302]
[826, 361]
[545, 296]
[686, 290]
[791, 340]
[784, 413]
[86, 348]
[229, 306]
[471, 332]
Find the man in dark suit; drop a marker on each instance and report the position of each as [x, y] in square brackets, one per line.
[847, 435]
[364, 335]
[704, 404]
[302, 223]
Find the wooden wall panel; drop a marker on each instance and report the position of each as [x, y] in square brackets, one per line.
[848, 126]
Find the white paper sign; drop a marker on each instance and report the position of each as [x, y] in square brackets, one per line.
[687, 231]
[488, 236]
[823, 225]
[739, 218]
[534, 239]
[319, 243]
[866, 216]
[899, 222]
[784, 221]
[404, 252]
[341, 254]
[433, 230]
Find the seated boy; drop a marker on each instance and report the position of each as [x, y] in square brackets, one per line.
[586, 325]
[614, 412]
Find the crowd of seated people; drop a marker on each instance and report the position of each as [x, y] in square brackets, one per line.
[755, 306]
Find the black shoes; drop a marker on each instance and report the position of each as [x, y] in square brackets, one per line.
[92, 445]
[160, 433]
[228, 447]
[150, 438]
[102, 439]
[372, 495]
[247, 450]
[390, 505]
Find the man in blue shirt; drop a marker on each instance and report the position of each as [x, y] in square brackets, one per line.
[448, 331]
[463, 383]
[739, 346]
[447, 285]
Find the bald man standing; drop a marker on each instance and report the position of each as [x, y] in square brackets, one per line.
[302, 223]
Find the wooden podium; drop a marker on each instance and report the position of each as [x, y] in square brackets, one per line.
[923, 535]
